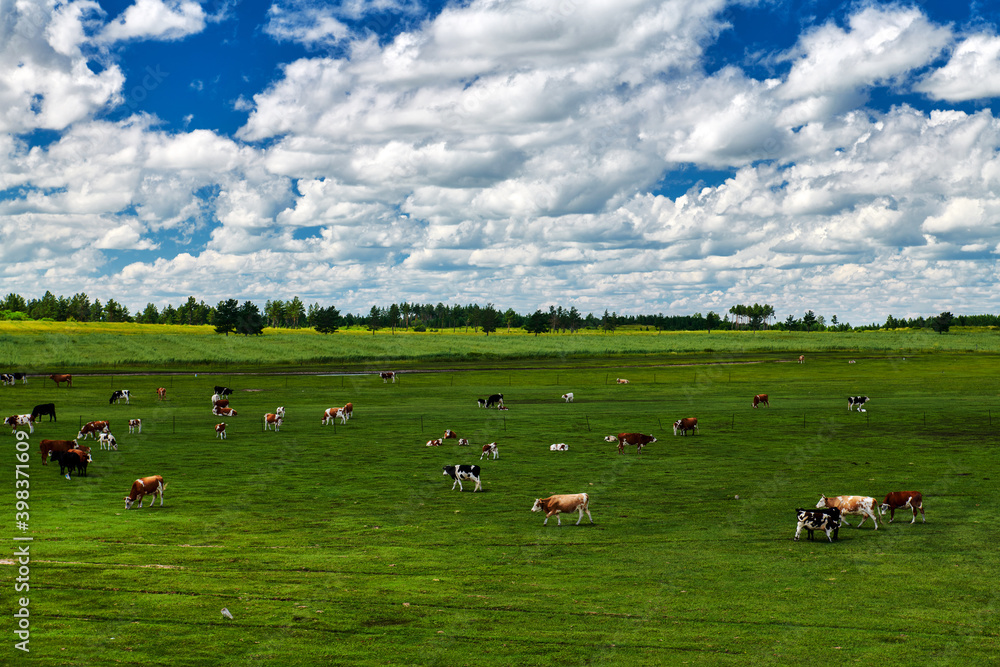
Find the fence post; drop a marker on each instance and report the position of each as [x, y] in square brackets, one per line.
[174, 427]
[588, 422]
[421, 423]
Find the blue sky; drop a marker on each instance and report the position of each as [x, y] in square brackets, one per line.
[638, 156]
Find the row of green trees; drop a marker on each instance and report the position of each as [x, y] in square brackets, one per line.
[229, 316]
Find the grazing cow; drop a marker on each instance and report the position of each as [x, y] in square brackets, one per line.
[20, 420]
[330, 414]
[464, 442]
[50, 446]
[348, 410]
[685, 425]
[44, 409]
[490, 449]
[220, 430]
[7, 379]
[568, 503]
[568, 397]
[863, 506]
[60, 378]
[224, 412]
[108, 442]
[70, 460]
[23, 377]
[449, 434]
[271, 419]
[221, 403]
[637, 439]
[559, 447]
[827, 520]
[858, 401]
[761, 399]
[146, 486]
[463, 472]
[621, 380]
[434, 443]
[495, 399]
[387, 375]
[118, 396]
[223, 391]
[135, 426]
[802, 358]
[900, 499]
[161, 393]
[482, 402]
[92, 429]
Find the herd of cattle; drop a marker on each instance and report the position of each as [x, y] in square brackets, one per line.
[73, 457]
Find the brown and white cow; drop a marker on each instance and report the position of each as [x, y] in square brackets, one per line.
[621, 380]
[685, 425]
[863, 506]
[135, 426]
[638, 439]
[146, 486]
[434, 443]
[567, 503]
[221, 403]
[568, 397]
[900, 499]
[161, 393]
[387, 375]
[224, 412]
[220, 430]
[20, 420]
[559, 447]
[49, 446]
[464, 442]
[802, 359]
[332, 413]
[348, 410]
[761, 399]
[490, 449]
[272, 420]
[59, 378]
[449, 434]
[93, 429]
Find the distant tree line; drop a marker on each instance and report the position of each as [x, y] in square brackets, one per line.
[231, 316]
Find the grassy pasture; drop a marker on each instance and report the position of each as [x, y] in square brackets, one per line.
[47, 347]
[346, 545]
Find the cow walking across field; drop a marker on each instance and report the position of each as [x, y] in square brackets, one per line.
[468, 473]
[827, 520]
[685, 425]
[895, 500]
[59, 378]
[863, 506]
[568, 503]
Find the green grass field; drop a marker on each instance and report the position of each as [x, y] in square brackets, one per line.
[346, 545]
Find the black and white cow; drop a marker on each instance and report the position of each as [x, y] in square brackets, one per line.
[23, 377]
[857, 401]
[44, 409]
[119, 395]
[7, 378]
[495, 399]
[222, 392]
[481, 402]
[464, 472]
[827, 520]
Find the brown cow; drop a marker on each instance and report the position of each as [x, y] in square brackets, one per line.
[637, 439]
[224, 412]
[448, 433]
[685, 425]
[221, 403]
[900, 499]
[49, 446]
[761, 399]
[161, 393]
[563, 503]
[220, 429]
[60, 378]
[146, 486]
